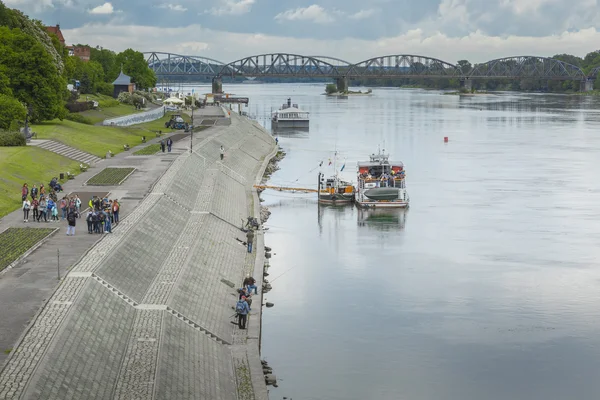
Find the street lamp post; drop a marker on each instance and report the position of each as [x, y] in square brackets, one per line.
[192, 124]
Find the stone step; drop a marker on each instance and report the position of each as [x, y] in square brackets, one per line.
[67, 151]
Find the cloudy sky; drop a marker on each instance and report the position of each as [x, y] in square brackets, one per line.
[478, 30]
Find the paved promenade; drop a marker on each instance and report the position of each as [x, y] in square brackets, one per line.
[146, 313]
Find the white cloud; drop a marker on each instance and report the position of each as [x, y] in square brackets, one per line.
[363, 14]
[314, 13]
[36, 5]
[173, 7]
[232, 7]
[228, 46]
[106, 8]
[520, 7]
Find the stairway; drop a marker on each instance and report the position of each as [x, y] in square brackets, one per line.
[65, 151]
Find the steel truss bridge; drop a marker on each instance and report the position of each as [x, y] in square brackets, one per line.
[283, 65]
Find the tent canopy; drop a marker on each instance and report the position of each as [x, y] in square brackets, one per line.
[173, 100]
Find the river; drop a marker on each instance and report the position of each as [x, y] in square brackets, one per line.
[488, 287]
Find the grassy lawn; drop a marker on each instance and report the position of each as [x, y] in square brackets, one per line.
[148, 150]
[29, 165]
[101, 114]
[16, 241]
[110, 177]
[98, 140]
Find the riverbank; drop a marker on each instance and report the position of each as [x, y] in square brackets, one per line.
[148, 308]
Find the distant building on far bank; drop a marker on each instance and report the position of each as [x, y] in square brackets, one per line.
[56, 30]
[83, 52]
[122, 84]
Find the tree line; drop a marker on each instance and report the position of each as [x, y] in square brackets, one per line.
[35, 69]
[587, 64]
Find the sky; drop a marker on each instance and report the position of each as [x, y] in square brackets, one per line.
[353, 30]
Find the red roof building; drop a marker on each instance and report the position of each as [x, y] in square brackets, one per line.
[56, 30]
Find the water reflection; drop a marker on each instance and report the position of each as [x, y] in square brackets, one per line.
[382, 219]
[492, 290]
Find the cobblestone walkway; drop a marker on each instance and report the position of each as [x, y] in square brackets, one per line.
[146, 313]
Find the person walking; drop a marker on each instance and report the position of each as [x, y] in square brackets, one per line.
[71, 222]
[250, 239]
[242, 309]
[34, 205]
[169, 144]
[222, 152]
[162, 145]
[107, 223]
[63, 207]
[34, 192]
[43, 206]
[90, 223]
[26, 207]
[115, 208]
[78, 205]
[24, 192]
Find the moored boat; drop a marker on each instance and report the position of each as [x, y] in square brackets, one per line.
[334, 190]
[290, 116]
[381, 183]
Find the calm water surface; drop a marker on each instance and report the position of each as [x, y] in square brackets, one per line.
[488, 287]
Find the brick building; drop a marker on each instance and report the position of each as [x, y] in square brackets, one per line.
[83, 52]
[56, 30]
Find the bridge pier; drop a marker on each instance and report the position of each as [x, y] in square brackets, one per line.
[342, 84]
[466, 84]
[217, 85]
[586, 85]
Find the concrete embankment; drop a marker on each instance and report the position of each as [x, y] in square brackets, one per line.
[147, 312]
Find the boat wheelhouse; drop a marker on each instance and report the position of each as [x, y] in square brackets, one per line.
[290, 116]
[334, 190]
[381, 183]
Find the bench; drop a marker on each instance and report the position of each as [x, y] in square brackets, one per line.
[70, 175]
[83, 167]
[126, 147]
[158, 133]
[143, 139]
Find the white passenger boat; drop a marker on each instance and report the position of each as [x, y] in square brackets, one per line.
[381, 183]
[290, 116]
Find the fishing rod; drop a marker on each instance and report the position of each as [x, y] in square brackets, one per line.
[273, 280]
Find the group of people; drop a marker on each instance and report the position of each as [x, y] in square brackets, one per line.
[168, 143]
[102, 214]
[47, 207]
[243, 306]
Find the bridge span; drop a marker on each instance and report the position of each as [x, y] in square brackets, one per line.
[397, 66]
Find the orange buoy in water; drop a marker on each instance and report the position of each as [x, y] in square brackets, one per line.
[445, 139]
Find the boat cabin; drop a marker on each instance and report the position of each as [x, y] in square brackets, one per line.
[291, 113]
[380, 172]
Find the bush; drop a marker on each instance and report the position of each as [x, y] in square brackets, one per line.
[12, 139]
[78, 118]
[148, 96]
[104, 88]
[108, 103]
[124, 97]
[11, 110]
[331, 88]
[79, 106]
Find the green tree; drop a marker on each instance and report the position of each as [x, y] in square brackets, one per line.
[331, 88]
[464, 65]
[34, 77]
[135, 65]
[12, 111]
[108, 61]
[4, 82]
